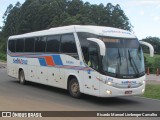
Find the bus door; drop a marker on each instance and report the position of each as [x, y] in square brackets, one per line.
[91, 76]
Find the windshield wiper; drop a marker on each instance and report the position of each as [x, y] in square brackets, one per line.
[119, 56]
[119, 63]
[135, 66]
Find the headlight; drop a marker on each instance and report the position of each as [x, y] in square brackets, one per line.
[109, 83]
[143, 82]
[108, 92]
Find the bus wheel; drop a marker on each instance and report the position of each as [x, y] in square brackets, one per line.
[21, 77]
[74, 89]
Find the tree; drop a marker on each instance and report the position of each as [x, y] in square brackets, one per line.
[7, 12]
[74, 7]
[118, 18]
[155, 41]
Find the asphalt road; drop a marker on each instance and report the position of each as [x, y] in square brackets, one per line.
[36, 97]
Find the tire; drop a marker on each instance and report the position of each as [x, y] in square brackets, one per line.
[74, 89]
[22, 77]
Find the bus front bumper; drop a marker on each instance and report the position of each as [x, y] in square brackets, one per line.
[110, 91]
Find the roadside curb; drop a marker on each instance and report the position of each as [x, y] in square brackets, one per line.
[3, 63]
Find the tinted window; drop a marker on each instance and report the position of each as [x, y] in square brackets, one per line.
[19, 45]
[68, 44]
[40, 44]
[84, 43]
[53, 43]
[93, 57]
[29, 44]
[12, 45]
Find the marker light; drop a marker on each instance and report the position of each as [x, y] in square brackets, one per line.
[143, 82]
[108, 92]
[143, 90]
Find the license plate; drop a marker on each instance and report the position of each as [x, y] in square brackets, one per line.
[128, 92]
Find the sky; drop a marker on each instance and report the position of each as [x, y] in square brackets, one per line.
[144, 15]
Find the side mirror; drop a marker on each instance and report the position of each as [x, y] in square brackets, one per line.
[100, 44]
[151, 49]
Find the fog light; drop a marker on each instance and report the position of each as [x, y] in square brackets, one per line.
[109, 83]
[143, 90]
[143, 82]
[108, 92]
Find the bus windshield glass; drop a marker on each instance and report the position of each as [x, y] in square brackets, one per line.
[123, 58]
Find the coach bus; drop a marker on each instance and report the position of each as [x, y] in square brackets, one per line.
[95, 60]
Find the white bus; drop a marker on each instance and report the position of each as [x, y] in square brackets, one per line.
[94, 60]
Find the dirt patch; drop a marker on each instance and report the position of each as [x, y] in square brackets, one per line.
[152, 82]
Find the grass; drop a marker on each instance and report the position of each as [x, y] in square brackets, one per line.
[152, 91]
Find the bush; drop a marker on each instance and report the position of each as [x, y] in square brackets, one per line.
[3, 56]
[157, 63]
[152, 62]
[3, 47]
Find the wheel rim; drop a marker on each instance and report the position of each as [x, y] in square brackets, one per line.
[75, 88]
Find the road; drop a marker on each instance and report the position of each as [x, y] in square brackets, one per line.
[36, 97]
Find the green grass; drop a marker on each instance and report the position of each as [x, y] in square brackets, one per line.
[2, 57]
[152, 91]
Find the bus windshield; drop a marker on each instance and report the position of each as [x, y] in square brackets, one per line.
[123, 58]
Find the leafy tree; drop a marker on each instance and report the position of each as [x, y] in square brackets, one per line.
[12, 21]
[7, 12]
[155, 41]
[74, 7]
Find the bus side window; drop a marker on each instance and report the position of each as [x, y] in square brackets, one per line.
[20, 45]
[53, 43]
[29, 44]
[40, 44]
[12, 45]
[93, 57]
[68, 45]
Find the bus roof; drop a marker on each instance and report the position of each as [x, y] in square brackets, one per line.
[98, 30]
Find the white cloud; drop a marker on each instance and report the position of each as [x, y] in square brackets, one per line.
[141, 13]
[156, 18]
